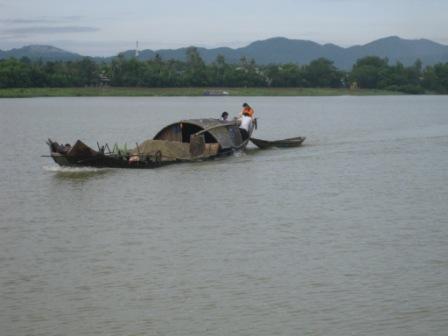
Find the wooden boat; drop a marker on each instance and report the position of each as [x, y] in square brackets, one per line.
[286, 143]
[183, 141]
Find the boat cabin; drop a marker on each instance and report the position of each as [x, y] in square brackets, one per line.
[226, 134]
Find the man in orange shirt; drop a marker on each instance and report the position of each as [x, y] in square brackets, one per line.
[247, 109]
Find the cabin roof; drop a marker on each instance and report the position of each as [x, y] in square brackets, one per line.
[207, 123]
[224, 132]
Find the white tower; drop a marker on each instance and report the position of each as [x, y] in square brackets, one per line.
[136, 50]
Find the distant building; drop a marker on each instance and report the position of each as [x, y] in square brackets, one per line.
[215, 93]
[104, 79]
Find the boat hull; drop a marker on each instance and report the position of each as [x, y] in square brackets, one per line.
[285, 143]
[104, 161]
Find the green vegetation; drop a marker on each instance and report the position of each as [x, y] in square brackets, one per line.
[157, 77]
[172, 92]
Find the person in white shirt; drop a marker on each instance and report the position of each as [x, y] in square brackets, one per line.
[245, 125]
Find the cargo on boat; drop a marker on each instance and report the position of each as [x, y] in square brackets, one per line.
[183, 141]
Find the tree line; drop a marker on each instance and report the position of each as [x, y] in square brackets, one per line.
[367, 73]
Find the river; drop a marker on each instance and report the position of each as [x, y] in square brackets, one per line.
[346, 235]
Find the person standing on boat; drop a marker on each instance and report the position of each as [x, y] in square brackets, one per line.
[245, 125]
[247, 109]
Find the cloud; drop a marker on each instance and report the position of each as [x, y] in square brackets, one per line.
[42, 19]
[36, 30]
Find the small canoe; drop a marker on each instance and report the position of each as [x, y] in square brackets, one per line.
[285, 143]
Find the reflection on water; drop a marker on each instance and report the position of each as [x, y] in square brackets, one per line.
[345, 235]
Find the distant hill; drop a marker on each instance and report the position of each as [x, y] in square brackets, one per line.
[275, 50]
[398, 49]
[43, 52]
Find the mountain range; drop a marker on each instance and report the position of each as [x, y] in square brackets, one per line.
[276, 50]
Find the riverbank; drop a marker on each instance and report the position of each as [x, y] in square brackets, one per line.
[172, 92]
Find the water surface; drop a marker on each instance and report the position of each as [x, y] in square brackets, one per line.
[343, 236]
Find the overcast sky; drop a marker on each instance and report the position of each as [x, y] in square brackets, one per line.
[106, 27]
